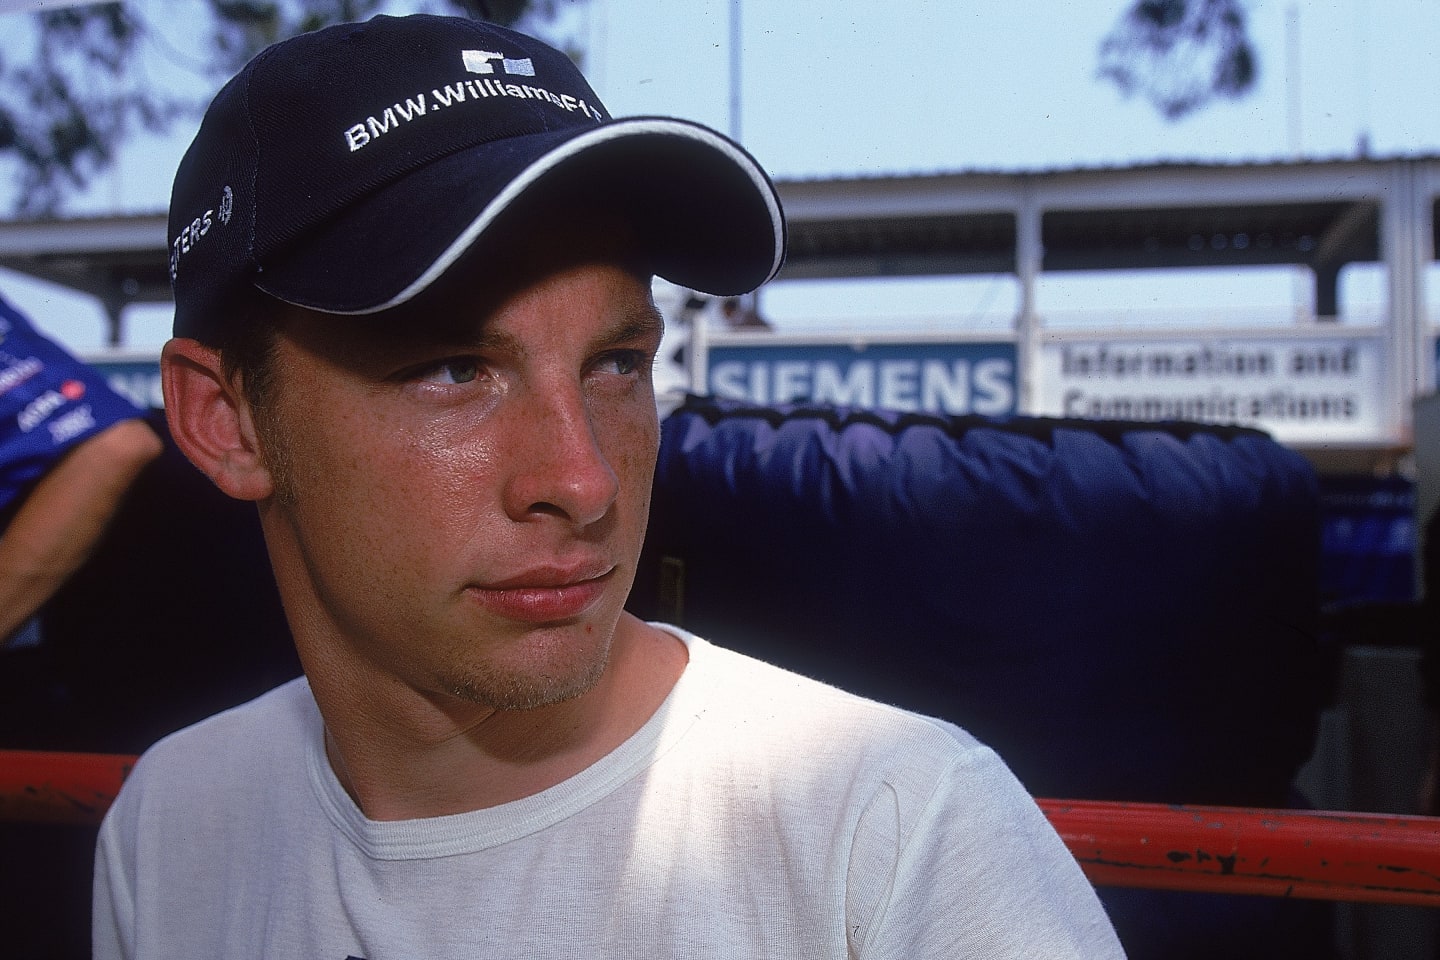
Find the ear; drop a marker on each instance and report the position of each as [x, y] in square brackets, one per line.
[211, 421]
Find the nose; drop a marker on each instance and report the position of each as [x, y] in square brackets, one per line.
[560, 468]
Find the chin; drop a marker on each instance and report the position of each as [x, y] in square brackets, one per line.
[546, 676]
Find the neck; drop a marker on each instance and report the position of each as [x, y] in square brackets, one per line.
[403, 754]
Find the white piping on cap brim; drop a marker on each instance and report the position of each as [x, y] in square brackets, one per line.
[601, 134]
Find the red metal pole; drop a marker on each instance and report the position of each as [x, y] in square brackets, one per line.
[1280, 853]
[40, 787]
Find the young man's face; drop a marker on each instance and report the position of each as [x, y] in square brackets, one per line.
[463, 485]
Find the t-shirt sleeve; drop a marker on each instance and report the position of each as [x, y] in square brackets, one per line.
[970, 868]
[50, 403]
[113, 902]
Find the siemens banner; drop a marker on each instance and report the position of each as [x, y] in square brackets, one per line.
[929, 377]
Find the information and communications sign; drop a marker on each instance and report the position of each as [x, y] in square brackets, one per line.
[1300, 390]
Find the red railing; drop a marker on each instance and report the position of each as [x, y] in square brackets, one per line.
[39, 787]
[1282, 853]
[1367, 857]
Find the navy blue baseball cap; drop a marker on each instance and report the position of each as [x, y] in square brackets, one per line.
[346, 170]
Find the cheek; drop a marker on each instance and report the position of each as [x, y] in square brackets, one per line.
[454, 471]
[381, 485]
[631, 448]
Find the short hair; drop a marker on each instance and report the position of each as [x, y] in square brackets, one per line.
[246, 334]
[245, 337]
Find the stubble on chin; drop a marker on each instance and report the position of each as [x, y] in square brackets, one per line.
[515, 689]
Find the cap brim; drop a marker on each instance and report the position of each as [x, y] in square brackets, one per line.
[704, 211]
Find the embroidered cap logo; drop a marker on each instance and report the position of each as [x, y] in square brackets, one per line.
[191, 234]
[439, 99]
[227, 204]
[483, 61]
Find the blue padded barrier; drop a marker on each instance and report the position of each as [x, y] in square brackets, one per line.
[1125, 611]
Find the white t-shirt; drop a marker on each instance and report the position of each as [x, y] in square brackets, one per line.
[757, 814]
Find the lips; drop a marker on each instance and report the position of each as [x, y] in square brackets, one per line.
[544, 595]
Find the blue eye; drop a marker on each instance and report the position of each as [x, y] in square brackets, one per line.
[458, 370]
[625, 362]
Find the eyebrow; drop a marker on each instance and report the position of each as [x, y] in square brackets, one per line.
[638, 323]
[642, 323]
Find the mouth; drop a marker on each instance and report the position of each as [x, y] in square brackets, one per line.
[543, 596]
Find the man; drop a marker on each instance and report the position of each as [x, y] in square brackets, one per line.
[413, 324]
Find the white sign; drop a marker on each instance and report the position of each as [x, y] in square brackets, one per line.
[1310, 390]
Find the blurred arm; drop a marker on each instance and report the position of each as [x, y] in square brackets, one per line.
[62, 520]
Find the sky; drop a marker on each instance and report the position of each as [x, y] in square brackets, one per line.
[847, 88]
[832, 87]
